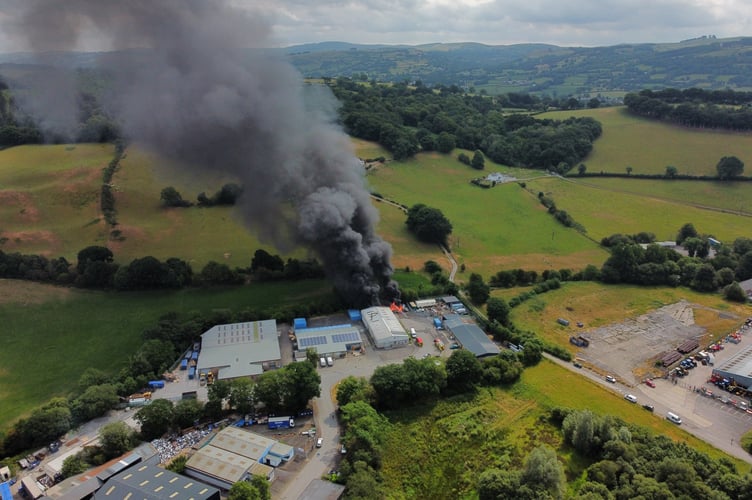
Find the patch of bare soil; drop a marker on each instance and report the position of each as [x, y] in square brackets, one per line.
[11, 240]
[23, 202]
[27, 292]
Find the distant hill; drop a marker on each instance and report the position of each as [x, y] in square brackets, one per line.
[705, 62]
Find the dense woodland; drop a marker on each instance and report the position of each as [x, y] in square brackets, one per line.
[407, 120]
[720, 109]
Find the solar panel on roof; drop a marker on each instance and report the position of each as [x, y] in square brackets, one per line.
[312, 341]
[346, 337]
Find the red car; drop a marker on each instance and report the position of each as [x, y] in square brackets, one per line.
[650, 383]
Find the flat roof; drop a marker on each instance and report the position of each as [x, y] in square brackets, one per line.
[233, 452]
[5, 491]
[739, 364]
[382, 323]
[239, 349]
[328, 339]
[472, 337]
[151, 482]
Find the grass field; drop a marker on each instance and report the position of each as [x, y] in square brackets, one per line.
[439, 451]
[69, 330]
[604, 212]
[49, 197]
[497, 228]
[596, 305]
[648, 146]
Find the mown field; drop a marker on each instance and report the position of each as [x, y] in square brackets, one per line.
[439, 451]
[494, 229]
[52, 334]
[49, 198]
[648, 146]
[605, 211]
[595, 305]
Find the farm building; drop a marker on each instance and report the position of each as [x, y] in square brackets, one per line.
[240, 349]
[738, 368]
[153, 483]
[470, 336]
[233, 455]
[334, 340]
[384, 328]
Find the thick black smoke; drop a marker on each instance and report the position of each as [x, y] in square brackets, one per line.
[198, 95]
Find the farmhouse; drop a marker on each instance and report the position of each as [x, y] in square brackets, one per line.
[153, 483]
[384, 328]
[470, 336]
[240, 349]
[235, 454]
[738, 368]
[335, 341]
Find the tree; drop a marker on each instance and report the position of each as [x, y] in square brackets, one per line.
[593, 103]
[115, 439]
[242, 397]
[729, 167]
[243, 490]
[92, 254]
[686, 231]
[262, 485]
[581, 169]
[187, 412]
[445, 143]
[477, 289]
[95, 401]
[629, 170]
[431, 267]
[170, 197]
[494, 484]
[428, 224]
[543, 470]
[705, 279]
[498, 310]
[302, 382]
[671, 171]
[312, 356]
[735, 293]
[155, 418]
[352, 389]
[464, 371]
[478, 162]
[72, 465]
[264, 260]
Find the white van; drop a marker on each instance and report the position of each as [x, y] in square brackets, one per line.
[631, 398]
[673, 417]
[413, 333]
[329, 361]
[323, 362]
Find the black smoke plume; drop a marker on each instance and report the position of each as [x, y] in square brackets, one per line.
[200, 90]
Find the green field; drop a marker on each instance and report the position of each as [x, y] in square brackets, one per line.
[49, 198]
[51, 335]
[605, 211]
[439, 451]
[595, 305]
[503, 227]
[648, 146]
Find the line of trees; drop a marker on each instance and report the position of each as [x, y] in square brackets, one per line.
[694, 107]
[406, 120]
[228, 194]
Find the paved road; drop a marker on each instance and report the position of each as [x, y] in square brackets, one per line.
[718, 424]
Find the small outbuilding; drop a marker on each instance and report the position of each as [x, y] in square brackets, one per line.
[384, 328]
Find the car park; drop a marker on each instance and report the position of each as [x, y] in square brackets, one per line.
[631, 398]
[611, 379]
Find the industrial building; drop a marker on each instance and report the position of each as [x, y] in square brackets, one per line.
[470, 336]
[240, 349]
[335, 341]
[738, 368]
[384, 328]
[149, 482]
[234, 455]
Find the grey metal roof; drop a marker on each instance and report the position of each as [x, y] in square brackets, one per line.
[239, 349]
[382, 323]
[473, 339]
[154, 483]
[328, 340]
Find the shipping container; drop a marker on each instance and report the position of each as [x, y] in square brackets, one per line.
[156, 384]
[192, 373]
[184, 364]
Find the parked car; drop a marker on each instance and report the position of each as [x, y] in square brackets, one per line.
[319, 442]
[648, 407]
[577, 364]
[631, 398]
[650, 383]
[611, 379]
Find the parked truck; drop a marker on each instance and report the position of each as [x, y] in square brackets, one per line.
[192, 373]
[281, 422]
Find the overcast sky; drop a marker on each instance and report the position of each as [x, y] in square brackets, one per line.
[501, 22]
